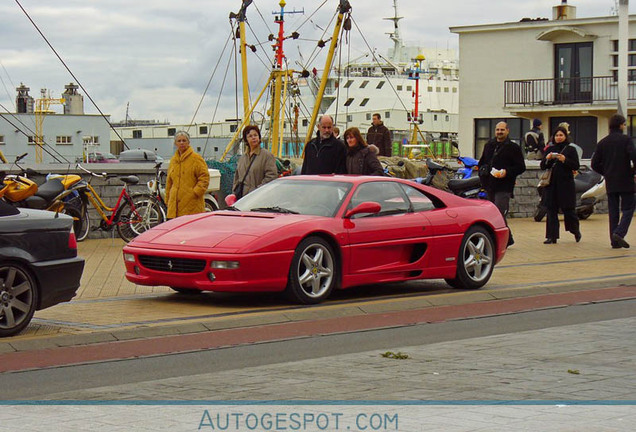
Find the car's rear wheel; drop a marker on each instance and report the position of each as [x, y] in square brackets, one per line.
[476, 259]
[188, 291]
[18, 298]
[313, 271]
[210, 205]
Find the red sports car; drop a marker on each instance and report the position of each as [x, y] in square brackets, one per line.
[308, 235]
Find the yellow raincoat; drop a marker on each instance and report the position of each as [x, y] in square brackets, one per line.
[187, 181]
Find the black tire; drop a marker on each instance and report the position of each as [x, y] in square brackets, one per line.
[81, 222]
[210, 205]
[18, 298]
[146, 215]
[187, 291]
[539, 213]
[585, 213]
[313, 272]
[475, 261]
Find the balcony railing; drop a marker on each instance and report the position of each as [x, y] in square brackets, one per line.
[563, 91]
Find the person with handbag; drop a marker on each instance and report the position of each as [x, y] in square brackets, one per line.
[500, 164]
[561, 160]
[256, 167]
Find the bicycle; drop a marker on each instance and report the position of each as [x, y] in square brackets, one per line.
[132, 214]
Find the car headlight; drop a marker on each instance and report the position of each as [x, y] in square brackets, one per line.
[224, 265]
[129, 257]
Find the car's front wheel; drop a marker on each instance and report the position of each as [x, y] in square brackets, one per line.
[313, 271]
[18, 298]
[476, 259]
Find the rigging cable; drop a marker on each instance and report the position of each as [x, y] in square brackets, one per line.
[71, 73]
[18, 129]
[207, 86]
[378, 63]
[218, 99]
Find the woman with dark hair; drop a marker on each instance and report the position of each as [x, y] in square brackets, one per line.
[361, 157]
[256, 167]
[563, 160]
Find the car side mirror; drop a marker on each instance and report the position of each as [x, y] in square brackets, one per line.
[365, 207]
[230, 200]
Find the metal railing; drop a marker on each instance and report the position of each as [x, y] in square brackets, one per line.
[563, 91]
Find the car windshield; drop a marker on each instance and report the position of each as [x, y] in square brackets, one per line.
[308, 197]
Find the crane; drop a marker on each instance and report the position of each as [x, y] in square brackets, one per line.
[42, 108]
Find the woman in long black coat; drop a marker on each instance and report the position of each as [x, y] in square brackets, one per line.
[563, 159]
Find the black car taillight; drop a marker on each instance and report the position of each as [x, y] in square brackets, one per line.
[72, 241]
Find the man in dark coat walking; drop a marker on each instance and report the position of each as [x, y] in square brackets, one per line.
[380, 136]
[615, 158]
[499, 165]
[325, 154]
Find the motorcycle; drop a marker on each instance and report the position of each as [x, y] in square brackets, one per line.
[468, 165]
[465, 188]
[590, 190]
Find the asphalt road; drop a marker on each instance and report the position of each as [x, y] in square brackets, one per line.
[72, 380]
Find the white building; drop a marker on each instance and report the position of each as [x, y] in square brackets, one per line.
[66, 136]
[559, 70]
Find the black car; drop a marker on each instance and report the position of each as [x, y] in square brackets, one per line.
[39, 266]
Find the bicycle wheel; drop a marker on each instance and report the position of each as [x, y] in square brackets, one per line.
[81, 221]
[144, 214]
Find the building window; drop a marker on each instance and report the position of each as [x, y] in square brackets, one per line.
[31, 140]
[2, 140]
[447, 118]
[364, 101]
[349, 118]
[380, 84]
[399, 88]
[348, 84]
[445, 89]
[216, 149]
[172, 131]
[387, 114]
[63, 140]
[203, 130]
[454, 89]
[485, 129]
[233, 128]
[348, 102]
[136, 133]
[631, 75]
[434, 117]
[305, 122]
[368, 116]
[409, 88]
[439, 89]
[364, 83]
[430, 89]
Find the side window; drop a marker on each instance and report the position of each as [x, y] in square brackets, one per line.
[388, 194]
[419, 200]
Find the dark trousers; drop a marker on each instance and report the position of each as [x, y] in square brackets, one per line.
[552, 222]
[502, 202]
[623, 201]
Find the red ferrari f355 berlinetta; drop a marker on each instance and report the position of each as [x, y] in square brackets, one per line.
[309, 235]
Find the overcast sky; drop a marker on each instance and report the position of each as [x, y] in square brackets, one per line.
[158, 55]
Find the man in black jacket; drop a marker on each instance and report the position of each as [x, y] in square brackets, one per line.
[379, 135]
[615, 158]
[325, 154]
[499, 165]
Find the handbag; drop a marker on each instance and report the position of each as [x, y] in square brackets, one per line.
[238, 190]
[544, 179]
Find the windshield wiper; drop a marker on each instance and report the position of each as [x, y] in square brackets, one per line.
[274, 209]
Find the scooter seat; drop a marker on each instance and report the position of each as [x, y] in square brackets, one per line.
[462, 184]
[434, 165]
[50, 189]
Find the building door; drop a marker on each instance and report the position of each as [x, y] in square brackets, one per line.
[573, 72]
[583, 132]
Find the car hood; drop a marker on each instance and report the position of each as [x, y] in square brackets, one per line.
[226, 231]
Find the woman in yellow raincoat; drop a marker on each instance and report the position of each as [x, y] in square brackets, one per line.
[187, 181]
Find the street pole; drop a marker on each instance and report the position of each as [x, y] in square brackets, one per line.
[623, 40]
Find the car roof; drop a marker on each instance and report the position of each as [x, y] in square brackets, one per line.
[347, 178]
